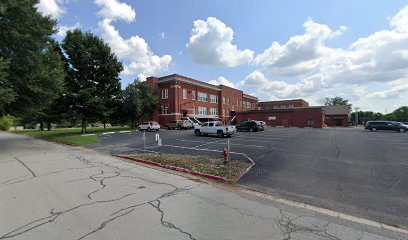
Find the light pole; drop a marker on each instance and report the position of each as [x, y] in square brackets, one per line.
[356, 115]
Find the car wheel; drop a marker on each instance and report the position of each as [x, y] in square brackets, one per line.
[251, 129]
[401, 130]
[148, 129]
[197, 132]
[140, 129]
[220, 134]
[373, 129]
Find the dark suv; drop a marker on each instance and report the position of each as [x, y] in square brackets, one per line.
[251, 126]
[386, 125]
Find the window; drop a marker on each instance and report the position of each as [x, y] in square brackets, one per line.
[214, 98]
[223, 112]
[223, 100]
[193, 110]
[193, 97]
[291, 106]
[283, 106]
[214, 111]
[165, 109]
[229, 99]
[165, 93]
[233, 107]
[202, 110]
[184, 93]
[202, 97]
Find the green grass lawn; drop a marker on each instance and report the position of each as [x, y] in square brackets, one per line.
[78, 140]
[72, 135]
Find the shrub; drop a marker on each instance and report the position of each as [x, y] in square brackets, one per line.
[6, 122]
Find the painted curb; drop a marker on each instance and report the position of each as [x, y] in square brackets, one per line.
[179, 169]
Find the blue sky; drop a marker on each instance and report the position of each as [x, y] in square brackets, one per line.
[355, 49]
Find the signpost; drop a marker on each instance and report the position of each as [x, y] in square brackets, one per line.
[144, 141]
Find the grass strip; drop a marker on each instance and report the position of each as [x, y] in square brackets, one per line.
[78, 140]
[230, 171]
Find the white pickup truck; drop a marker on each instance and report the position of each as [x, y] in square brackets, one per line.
[215, 128]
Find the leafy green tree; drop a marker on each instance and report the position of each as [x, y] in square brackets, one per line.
[337, 101]
[34, 71]
[6, 122]
[93, 84]
[7, 94]
[138, 100]
[364, 116]
[400, 114]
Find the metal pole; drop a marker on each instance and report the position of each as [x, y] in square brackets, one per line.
[144, 141]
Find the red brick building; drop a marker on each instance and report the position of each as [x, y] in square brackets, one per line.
[286, 117]
[297, 113]
[336, 116]
[283, 104]
[200, 100]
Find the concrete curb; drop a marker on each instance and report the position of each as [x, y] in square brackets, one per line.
[179, 169]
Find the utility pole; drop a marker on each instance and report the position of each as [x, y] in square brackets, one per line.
[356, 115]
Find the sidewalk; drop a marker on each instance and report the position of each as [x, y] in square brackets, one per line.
[49, 191]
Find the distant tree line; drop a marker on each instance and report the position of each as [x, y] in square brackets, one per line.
[75, 82]
[400, 114]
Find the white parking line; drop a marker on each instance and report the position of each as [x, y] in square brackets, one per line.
[220, 143]
[208, 143]
[128, 131]
[91, 134]
[108, 133]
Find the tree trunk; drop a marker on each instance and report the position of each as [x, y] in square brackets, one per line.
[83, 125]
[104, 125]
[48, 126]
[41, 126]
[132, 123]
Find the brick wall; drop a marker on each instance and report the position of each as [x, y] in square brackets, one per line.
[297, 117]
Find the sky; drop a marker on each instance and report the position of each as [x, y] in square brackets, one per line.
[275, 50]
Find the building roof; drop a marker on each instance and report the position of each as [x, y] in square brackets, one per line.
[288, 100]
[199, 83]
[336, 110]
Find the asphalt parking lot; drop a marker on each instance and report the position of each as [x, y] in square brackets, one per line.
[348, 170]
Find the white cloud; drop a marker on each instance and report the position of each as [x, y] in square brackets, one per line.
[135, 49]
[301, 54]
[222, 81]
[62, 30]
[135, 52]
[113, 10]
[281, 89]
[163, 35]
[365, 72]
[210, 43]
[51, 7]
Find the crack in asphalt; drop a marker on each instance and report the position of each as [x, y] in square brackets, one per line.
[29, 169]
[105, 223]
[168, 224]
[127, 210]
[53, 216]
[101, 182]
[334, 142]
[288, 227]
